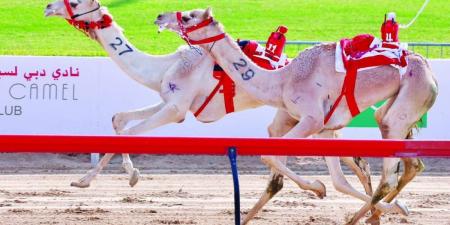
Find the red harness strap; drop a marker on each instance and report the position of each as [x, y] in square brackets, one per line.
[185, 31]
[105, 22]
[228, 86]
[68, 8]
[228, 90]
[348, 88]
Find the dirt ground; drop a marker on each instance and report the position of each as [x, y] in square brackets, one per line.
[192, 190]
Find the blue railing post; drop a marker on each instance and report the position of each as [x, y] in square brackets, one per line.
[232, 154]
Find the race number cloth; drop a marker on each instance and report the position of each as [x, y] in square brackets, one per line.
[257, 54]
[364, 52]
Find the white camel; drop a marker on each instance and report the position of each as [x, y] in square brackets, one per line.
[176, 78]
[309, 85]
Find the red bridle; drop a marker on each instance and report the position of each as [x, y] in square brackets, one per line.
[105, 22]
[184, 31]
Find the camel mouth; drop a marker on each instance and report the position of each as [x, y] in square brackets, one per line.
[161, 25]
[51, 12]
[161, 28]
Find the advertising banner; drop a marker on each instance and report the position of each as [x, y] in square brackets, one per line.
[79, 96]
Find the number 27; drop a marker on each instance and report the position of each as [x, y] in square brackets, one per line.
[120, 43]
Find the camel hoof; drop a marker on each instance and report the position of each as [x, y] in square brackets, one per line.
[401, 208]
[320, 190]
[373, 220]
[79, 184]
[134, 177]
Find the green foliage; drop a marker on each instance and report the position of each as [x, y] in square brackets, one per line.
[25, 31]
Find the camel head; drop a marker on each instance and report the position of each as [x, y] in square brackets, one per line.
[78, 7]
[191, 25]
[169, 20]
[85, 15]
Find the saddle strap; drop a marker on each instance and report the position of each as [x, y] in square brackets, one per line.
[228, 90]
[348, 88]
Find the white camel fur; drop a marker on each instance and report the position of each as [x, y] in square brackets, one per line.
[160, 73]
[309, 85]
[186, 69]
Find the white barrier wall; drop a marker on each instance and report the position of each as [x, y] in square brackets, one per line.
[79, 96]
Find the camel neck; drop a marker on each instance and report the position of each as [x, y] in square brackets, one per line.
[143, 68]
[264, 85]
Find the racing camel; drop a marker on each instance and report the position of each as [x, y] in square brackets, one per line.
[176, 78]
[309, 85]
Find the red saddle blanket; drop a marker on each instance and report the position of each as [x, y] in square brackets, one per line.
[363, 51]
[257, 54]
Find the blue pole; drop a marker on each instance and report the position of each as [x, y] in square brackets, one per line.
[234, 170]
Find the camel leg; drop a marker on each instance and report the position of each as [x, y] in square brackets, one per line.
[413, 167]
[121, 119]
[342, 185]
[273, 187]
[396, 124]
[133, 172]
[307, 126]
[119, 122]
[407, 111]
[361, 168]
[281, 124]
[169, 113]
[357, 164]
[86, 180]
[389, 181]
[165, 113]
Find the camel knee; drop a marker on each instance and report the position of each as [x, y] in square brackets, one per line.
[384, 128]
[119, 121]
[391, 129]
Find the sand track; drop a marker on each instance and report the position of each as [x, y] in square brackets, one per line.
[197, 199]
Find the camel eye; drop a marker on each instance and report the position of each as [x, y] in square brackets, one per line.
[185, 19]
[73, 5]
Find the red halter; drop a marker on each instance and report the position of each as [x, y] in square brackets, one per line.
[185, 31]
[105, 22]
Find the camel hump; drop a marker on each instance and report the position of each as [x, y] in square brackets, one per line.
[304, 64]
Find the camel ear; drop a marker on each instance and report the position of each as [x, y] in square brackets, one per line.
[208, 13]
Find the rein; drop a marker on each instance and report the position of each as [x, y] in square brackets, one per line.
[184, 31]
[85, 26]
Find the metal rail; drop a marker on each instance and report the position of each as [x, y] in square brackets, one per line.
[412, 45]
[221, 146]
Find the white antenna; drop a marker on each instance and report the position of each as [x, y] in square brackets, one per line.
[417, 15]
